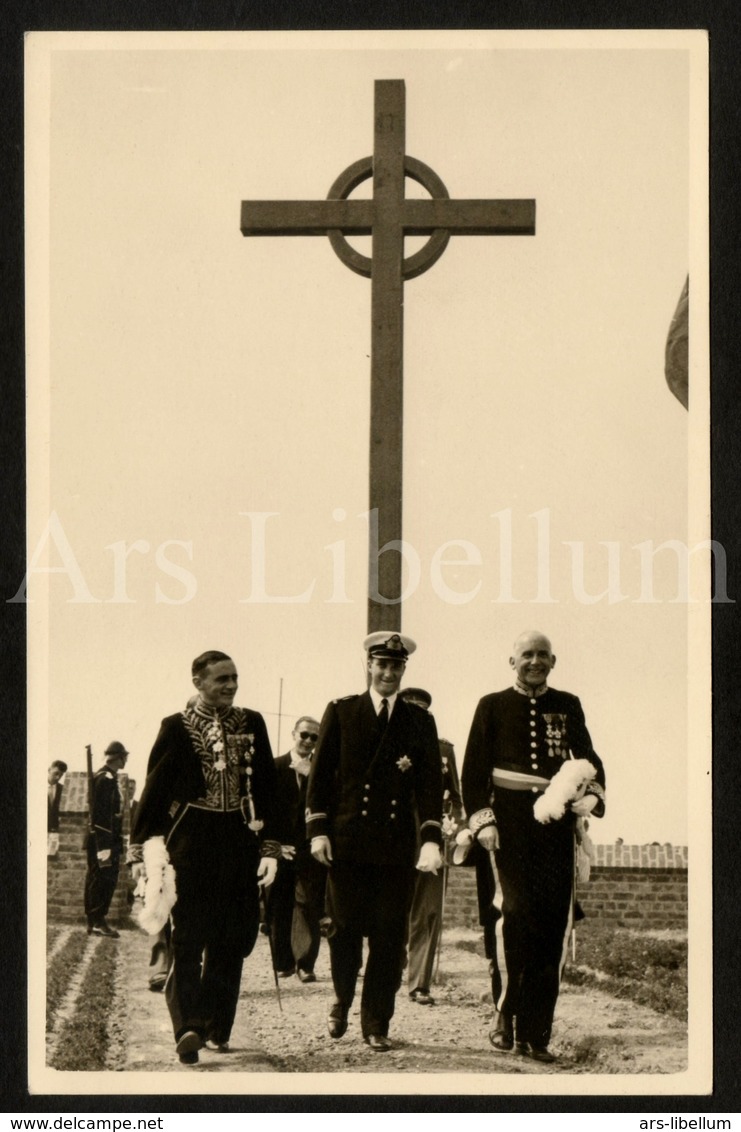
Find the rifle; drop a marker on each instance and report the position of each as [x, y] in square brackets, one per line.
[90, 788]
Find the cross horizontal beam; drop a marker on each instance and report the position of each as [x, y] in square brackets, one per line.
[416, 217]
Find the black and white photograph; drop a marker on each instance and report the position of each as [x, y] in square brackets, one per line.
[370, 570]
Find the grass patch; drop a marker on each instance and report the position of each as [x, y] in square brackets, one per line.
[62, 966]
[83, 1043]
[648, 970]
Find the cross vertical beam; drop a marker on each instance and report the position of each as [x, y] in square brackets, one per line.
[387, 359]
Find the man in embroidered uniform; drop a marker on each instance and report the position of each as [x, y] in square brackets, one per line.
[209, 794]
[376, 765]
[428, 901]
[104, 841]
[296, 902]
[520, 738]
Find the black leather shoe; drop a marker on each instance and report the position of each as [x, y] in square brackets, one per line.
[337, 1020]
[501, 1035]
[422, 997]
[306, 976]
[187, 1047]
[536, 1053]
[100, 927]
[378, 1043]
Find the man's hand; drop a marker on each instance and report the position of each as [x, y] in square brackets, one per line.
[288, 852]
[266, 871]
[488, 837]
[430, 859]
[321, 850]
[584, 806]
[104, 858]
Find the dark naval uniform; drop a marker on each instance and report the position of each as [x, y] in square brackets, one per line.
[296, 898]
[209, 793]
[518, 742]
[364, 788]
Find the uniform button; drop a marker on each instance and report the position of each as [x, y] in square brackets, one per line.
[367, 786]
[365, 799]
[533, 711]
[534, 789]
[533, 744]
[393, 801]
[532, 701]
[364, 813]
[393, 816]
[535, 766]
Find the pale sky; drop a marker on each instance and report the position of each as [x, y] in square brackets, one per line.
[183, 376]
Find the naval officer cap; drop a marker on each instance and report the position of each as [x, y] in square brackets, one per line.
[392, 646]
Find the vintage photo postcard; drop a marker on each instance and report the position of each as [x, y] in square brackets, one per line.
[368, 431]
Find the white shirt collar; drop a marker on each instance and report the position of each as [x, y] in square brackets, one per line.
[376, 700]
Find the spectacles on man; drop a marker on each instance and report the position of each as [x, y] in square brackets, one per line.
[309, 735]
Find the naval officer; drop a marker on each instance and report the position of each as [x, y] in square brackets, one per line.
[375, 775]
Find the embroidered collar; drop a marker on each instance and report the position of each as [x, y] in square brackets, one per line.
[526, 690]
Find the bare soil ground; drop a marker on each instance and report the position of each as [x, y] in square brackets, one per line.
[593, 1033]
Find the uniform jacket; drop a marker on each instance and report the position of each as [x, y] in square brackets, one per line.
[365, 794]
[106, 820]
[531, 735]
[290, 809]
[52, 808]
[180, 776]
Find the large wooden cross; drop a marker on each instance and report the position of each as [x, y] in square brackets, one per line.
[388, 217]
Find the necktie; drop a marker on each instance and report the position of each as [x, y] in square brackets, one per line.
[383, 715]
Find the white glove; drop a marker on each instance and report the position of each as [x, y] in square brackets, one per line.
[288, 852]
[104, 856]
[489, 838]
[266, 871]
[430, 859]
[321, 850]
[584, 805]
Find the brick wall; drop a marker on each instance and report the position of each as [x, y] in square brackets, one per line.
[65, 873]
[630, 886]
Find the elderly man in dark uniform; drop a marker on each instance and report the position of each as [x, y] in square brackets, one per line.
[520, 739]
[376, 765]
[208, 802]
[104, 841]
[56, 773]
[428, 902]
[296, 902]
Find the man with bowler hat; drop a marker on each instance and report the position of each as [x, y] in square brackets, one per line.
[375, 775]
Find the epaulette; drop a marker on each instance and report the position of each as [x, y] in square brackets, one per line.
[343, 699]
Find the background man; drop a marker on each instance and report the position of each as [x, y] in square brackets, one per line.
[376, 763]
[428, 901]
[296, 903]
[209, 793]
[520, 738]
[57, 770]
[104, 841]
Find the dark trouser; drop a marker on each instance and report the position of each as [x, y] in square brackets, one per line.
[280, 914]
[295, 907]
[373, 901]
[308, 910]
[100, 883]
[214, 920]
[425, 925]
[533, 918]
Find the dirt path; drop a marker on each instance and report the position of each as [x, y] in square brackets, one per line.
[593, 1033]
